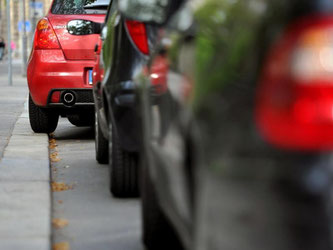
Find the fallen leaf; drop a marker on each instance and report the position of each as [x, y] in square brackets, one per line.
[55, 154]
[59, 223]
[61, 246]
[60, 201]
[54, 157]
[52, 141]
[60, 186]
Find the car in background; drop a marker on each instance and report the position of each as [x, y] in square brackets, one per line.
[122, 54]
[59, 71]
[236, 115]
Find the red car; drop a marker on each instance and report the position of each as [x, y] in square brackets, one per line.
[60, 66]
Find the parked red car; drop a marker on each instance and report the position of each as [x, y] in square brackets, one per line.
[60, 66]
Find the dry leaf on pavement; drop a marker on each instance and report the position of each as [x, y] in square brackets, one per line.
[60, 186]
[53, 144]
[61, 246]
[59, 223]
[54, 157]
[55, 154]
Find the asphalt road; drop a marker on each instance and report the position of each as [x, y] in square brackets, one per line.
[86, 216]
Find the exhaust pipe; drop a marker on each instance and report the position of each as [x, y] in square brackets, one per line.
[68, 98]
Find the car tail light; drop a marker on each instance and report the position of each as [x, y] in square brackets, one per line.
[137, 32]
[312, 59]
[45, 37]
[294, 106]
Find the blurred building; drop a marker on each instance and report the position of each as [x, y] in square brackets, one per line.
[34, 10]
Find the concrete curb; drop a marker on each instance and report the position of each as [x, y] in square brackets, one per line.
[25, 195]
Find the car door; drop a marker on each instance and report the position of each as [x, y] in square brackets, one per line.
[167, 117]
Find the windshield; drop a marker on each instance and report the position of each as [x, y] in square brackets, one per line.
[78, 7]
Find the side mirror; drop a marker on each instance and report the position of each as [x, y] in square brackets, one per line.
[154, 11]
[83, 27]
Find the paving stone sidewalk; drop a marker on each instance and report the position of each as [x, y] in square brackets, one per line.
[25, 197]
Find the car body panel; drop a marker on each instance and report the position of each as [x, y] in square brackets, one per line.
[247, 192]
[63, 74]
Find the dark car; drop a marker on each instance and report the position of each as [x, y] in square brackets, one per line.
[236, 106]
[59, 71]
[124, 52]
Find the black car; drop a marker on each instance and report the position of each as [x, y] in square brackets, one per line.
[236, 115]
[124, 51]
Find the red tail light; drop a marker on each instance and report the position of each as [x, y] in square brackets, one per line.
[45, 37]
[294, 106]
[137, 32]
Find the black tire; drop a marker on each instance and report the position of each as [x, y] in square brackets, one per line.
[81, 120]
[42, 120]
[123, 169]
[101, 144]
[158, 234]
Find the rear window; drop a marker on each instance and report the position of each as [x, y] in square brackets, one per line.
[78, 7]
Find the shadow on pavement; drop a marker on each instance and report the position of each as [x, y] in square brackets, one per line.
[67, 131]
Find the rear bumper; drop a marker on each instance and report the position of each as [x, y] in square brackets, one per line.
[48, 70]
[82, 97]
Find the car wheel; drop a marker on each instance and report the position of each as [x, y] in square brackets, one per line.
[123, 169]
[80, 120]
[42, 120]
[157, 230]
[101, 144]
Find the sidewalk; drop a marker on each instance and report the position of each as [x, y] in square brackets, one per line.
[25, 197]
[12, 99]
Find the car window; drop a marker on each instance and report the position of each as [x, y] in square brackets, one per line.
[74, 7]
